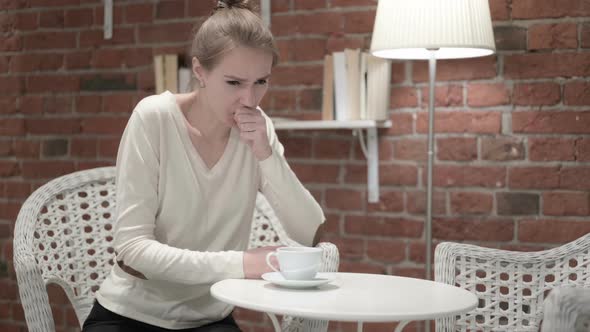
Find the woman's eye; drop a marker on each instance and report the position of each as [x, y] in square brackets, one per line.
[235, 83]
[261, 82]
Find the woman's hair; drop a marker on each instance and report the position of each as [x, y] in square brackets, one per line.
[232, 23]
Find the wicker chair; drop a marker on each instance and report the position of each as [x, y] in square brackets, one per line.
[511, 286]
[567, 309]
[63, 235]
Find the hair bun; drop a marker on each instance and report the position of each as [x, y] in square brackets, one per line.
[222, 4]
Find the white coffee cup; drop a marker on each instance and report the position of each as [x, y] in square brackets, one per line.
[297, 263]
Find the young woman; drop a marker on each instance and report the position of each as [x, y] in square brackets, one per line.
[189, 167]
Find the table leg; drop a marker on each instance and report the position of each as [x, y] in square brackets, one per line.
[400, 326]
[275, 322]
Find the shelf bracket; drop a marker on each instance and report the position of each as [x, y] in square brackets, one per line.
[371, 151]
[108, 19]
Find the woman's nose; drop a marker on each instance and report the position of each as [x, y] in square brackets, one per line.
[249, 97]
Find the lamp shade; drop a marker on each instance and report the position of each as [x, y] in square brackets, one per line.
[411, 29]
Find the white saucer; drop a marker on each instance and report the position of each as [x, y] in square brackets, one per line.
[278, 279]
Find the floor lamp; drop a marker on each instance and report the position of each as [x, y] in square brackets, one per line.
[431, 30]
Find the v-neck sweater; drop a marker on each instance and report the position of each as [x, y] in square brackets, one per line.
[185, 226]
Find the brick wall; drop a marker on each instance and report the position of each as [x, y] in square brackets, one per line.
[513, 130]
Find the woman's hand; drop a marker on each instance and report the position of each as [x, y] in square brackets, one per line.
[255, 262]
[252, 126]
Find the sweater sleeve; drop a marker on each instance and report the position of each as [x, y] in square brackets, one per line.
[296, 208]
[137, 207]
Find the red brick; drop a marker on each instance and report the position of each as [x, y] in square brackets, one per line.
[585, 36]
[8, 168]
[462, 122]
[95, 38]
[582, 149]
[297, 75]
[338, 42]
[24, 149]
[172, 32]
[410, 149]
[388, 174]
[118, 103]
[76, 18]
[549, 149]
[389, 201]
[300, 5]
[10, 43]
[387, 251]
[553, 36]
[49, 126]
[107, 147]
[385, 151]
[88, 104]
[382, 226]
[471, 203]
[416, 202]
[551, 231]
[8, 211]
[12, 127]
[50, 40]
[472, 229]
[282, 99]
[444, 96]
[452, 70]
[53, 3]
[575, 178]
[108, 58]
[456, 148]
[8, 105]
[57, 104]
[308, 49]
[500, 148]
[359, 21]
[297, 147]
[27, 21]
[77, 60]
[170, 9]
[11, 85]
[310, 99]
[83, 147]
[566, 204]
[349, 248]
[138, 57]
[316, 23]
[17, 190]
[327, 148]
[403, 97]
[104, 125]
[468, 176]
[401, 123]
[314, 173]
[200, 8]
[52, 19]
[487, 94]
[31, 104]
[46, 169]
[499, 9]
[8, 291]
[532, 9]
[53, 83]
[36, 62]
[568, 122]
[118, 11]
[142, 12]
[536, 94]
[14, 4]
[360, 267]
[577, 93]
[345, 199]
[549, 65]
[510, 38]
[533, 177]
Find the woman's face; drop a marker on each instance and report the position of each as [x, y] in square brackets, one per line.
[240, 80]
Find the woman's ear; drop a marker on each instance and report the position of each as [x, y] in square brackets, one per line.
[198, 72]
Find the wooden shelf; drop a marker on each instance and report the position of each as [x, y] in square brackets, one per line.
[286, 124]
[369, 146]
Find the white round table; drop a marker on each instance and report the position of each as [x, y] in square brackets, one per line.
[351, 297]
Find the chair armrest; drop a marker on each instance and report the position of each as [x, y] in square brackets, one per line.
[566, 309]
[331, 257]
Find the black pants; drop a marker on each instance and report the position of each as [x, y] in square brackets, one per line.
[101, 319]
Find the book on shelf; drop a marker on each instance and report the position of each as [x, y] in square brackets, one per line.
[169, 75]
[355, 86]
[328, 89]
